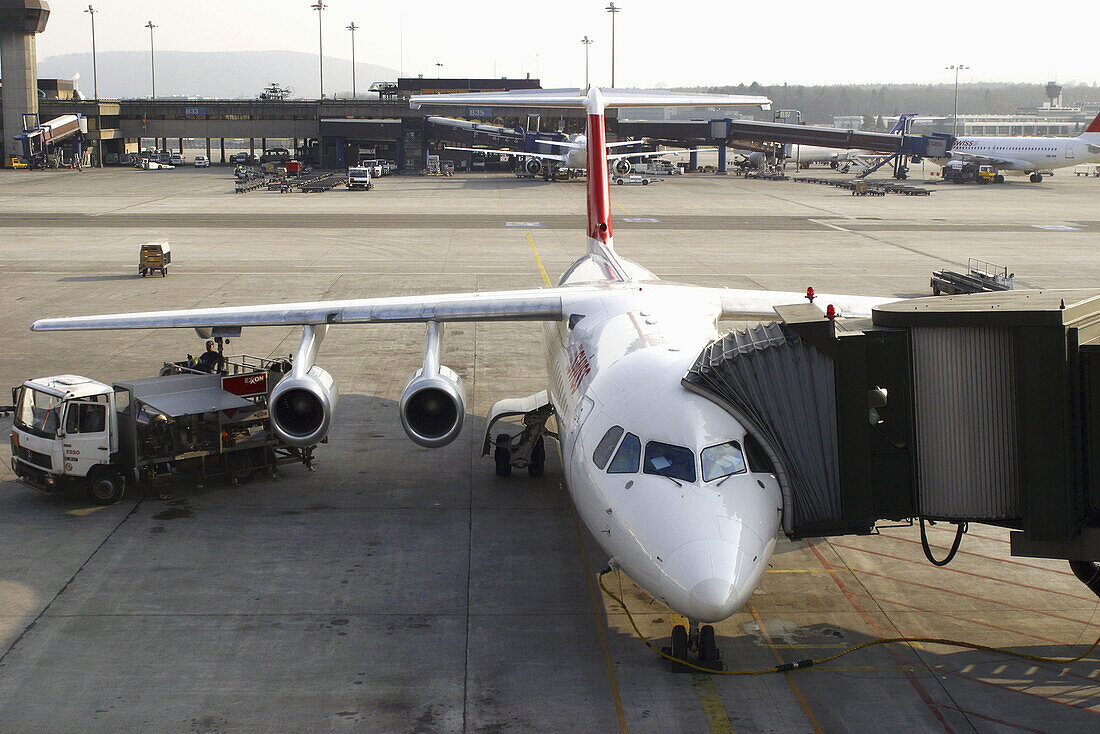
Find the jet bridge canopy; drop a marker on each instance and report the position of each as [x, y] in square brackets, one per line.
[981, 408]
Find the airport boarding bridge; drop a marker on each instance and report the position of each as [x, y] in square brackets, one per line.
[729, 133]
[977, 408]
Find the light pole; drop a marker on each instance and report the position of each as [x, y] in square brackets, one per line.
[320, 6]
[353, 28]
[587, 42]
[152, 59]
[955, 117]
[95, 76]
[439, 70]
[612, 9]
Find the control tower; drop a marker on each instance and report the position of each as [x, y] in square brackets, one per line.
[20, 20]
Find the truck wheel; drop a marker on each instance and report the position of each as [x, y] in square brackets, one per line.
[106, 487]
[239, 466]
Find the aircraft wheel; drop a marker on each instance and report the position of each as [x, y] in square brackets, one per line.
[679, 642]
[708, 647]
[1036, 178]
[107, 488]
[238, 465]
[503, 456]
[536, 467]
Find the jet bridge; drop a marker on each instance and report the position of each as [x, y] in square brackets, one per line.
[973, 408]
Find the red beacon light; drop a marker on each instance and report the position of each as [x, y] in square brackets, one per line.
[830, 312]
[810, 295]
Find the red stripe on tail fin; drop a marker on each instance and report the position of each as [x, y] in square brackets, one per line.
[599, 193]
[1094, 126]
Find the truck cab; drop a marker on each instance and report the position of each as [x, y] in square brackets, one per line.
[64, 431]
[359, 177]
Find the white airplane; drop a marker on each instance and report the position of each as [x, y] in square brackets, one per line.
[841, 158]
[1035, 156]
[664, 479]
[574, 157]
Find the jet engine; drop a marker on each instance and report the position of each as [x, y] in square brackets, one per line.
[621, 167]
[533, 166]
[433, 405]
[301, 405]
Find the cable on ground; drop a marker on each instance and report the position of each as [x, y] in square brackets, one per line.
[809, 663]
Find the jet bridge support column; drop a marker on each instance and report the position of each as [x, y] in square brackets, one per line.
[693, 160]
[722, 157]
[20, 21]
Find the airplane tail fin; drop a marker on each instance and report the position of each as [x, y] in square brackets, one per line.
[1092, 132]
[903, 124]
[594, 101]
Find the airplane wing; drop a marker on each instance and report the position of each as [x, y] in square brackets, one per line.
[988, 160]
[521, 305]
[547, 156]
[740, 304]
[654, 153]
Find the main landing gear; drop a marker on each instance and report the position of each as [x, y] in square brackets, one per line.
[1036, 177]
[526, 449]
[696, 645]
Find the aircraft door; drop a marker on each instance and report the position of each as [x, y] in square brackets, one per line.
[1070, 153]
[85, 442]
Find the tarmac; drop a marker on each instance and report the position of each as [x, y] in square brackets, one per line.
[403, 589]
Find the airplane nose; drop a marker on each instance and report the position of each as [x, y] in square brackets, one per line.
[709, 580]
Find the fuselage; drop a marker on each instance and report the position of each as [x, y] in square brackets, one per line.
[658, 474]
[1027, 154]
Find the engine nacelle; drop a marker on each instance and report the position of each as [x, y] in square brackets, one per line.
[301, 407]
[622, 167]
[433, 407]
[533, 166]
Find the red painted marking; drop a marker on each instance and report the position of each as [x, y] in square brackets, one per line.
[980, 555]
[1002, 722]
[967, 573]
[948, 615]
[968, 596]
[1094, 126]
[599, 193]
[874, 626]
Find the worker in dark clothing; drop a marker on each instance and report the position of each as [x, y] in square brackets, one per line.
[210, 360]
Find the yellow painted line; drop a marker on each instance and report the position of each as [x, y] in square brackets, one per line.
[531, 241]
[85, 511]
[594, 596]
[717, 718]
[794, 685]
[625, 210]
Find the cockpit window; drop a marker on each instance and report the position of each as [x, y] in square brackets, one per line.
[722, 460]
[606, 445]
[671, 461]
[626, 458]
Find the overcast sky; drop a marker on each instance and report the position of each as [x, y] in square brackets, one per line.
[657, 43]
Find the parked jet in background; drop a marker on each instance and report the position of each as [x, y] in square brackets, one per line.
[666, 481]
[839, 158]
[1035, 156]
[572, 157]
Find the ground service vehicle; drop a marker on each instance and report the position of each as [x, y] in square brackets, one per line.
[176, 159]
[965, 171]
[275, 155]
[154, 256]
[71, 431]
[202, 161]
[359, 177]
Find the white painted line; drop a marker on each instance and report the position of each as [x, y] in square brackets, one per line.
[523, 225]
[1057, 227]
[831, 226]
[640, 219]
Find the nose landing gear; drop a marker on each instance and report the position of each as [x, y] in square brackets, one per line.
[696, 645]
